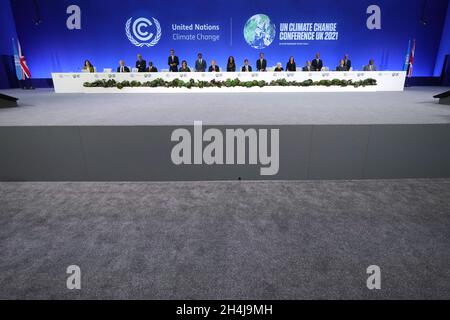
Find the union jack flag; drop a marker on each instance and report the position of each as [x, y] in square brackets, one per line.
[22, 70]
[411, 59]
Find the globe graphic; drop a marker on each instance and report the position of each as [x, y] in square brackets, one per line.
[259, 31]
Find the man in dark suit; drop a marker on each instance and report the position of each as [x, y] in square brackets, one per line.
[246, 67]
[307, 67]
[173, 62]
[200, 64]
[151, 67]
[347, 63]
[122, 67]
[214, 67]
[317, 63]
[141, 64]
[370, 66]
[261, 64]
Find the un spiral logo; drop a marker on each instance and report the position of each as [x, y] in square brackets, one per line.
[138, 32]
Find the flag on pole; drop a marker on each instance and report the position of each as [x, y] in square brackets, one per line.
[22, 70]
[17, 60]
[407, 58]
[411, 59]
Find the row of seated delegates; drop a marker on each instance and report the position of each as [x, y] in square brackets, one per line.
[317, 65]
[184, 67]
[261, 65]
[123, 68]
[141, 66]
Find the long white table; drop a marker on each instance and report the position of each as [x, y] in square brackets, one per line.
[386, 81]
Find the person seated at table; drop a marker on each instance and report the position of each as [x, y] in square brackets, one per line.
[213, 67]
[347, 62]
[141, 64]
[341, 66]
[278, 68]
[151, 67]
[291, 66]
[184, 67]
[88, 67]
[307, 67]
[173, 61]
[261, 64]
[200, 64]
[370, 66]
[231, 65]
[317, 63]
[122, 67]
[246, 67]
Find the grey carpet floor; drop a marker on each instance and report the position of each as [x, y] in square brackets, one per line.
[45, 108]
[226, 240]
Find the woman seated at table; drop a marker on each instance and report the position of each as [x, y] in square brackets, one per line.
[231, 65]
[291, 66]
[184, 67]
[88, 67]
[278, 68]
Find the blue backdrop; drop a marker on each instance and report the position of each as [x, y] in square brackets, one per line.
[50, 46]
[444, 47]
[7, 32]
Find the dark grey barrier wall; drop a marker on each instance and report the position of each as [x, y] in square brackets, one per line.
[143, 153]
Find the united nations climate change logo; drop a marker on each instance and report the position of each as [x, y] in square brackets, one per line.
[139, 32]
[259, 31]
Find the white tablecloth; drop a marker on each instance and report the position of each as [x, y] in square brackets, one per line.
[386, 80]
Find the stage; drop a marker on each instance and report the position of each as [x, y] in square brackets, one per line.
[104, 137]
[45, 108]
